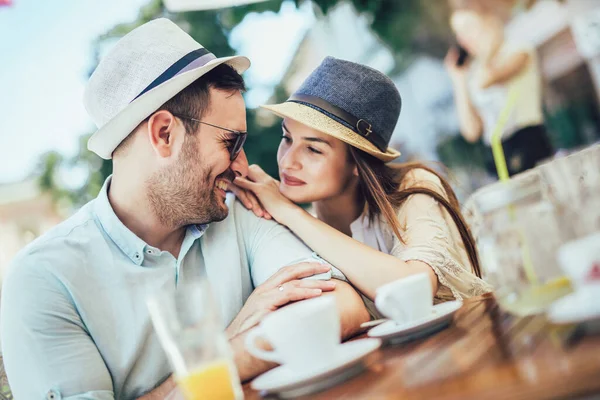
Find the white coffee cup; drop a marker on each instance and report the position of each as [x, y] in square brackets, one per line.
[580, 260]
[407, 299]
[302, 335]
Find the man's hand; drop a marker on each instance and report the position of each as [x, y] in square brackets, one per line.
[282, 288]
[166, 391]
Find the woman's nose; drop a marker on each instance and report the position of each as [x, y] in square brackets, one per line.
[289, 159]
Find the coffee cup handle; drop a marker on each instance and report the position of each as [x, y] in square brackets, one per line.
[250, 342]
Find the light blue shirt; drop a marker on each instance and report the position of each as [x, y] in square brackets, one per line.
[73, 318]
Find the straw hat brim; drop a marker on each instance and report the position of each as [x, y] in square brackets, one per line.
[106, 139]
[322, 123]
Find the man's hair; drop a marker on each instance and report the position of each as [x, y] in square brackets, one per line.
[194, 100]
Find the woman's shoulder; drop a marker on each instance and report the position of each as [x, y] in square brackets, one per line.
[422, 178]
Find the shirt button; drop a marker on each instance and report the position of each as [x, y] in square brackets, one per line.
[149, 251]
[53, 395]
[136, 255]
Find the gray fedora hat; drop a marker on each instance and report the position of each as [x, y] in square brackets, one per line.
[145, 69]
[351, 102]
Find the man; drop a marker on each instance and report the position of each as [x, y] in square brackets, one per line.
[172, 117]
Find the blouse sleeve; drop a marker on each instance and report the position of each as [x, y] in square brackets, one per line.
[431, 236]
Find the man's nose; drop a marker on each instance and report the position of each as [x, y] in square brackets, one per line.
[240, 165]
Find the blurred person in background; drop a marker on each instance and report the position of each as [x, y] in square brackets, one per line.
[483, 77]
[374, 221]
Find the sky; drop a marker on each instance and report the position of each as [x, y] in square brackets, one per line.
[46, 50]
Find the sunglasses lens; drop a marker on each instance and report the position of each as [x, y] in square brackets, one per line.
[237, 147]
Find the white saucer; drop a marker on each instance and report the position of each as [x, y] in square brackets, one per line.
[577, 307]
[285, 379]
[441, 316]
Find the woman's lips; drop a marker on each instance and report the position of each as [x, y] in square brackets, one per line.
[291, 181]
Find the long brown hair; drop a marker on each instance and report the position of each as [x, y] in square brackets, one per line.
[380, 186]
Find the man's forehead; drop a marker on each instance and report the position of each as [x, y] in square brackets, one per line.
[226, 108]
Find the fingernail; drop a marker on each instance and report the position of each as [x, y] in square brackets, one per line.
[330, 284]
[317, 291]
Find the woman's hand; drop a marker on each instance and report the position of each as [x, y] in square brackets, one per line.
[249, 201]
[266, 190]
[457, 73]
[485, 77]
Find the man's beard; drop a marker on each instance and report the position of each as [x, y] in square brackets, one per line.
[184, 194]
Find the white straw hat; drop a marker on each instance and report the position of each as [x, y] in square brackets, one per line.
[145, 69]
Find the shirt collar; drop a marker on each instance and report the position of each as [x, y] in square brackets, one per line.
[125, 239]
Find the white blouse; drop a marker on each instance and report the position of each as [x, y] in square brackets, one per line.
[430, 236]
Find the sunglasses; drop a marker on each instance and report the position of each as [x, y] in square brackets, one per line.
[234, 146]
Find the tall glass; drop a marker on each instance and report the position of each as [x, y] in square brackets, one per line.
[187, 323]
[517, 245]
[572, 184]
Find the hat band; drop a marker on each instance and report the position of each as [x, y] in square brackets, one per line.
[192, 60]
[358, 125]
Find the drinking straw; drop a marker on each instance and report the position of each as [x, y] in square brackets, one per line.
[497, 150]
[502, 169]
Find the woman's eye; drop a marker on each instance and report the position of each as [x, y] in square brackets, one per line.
[286, 139]
[313, 150]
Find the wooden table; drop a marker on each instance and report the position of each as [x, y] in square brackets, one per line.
[485, 354]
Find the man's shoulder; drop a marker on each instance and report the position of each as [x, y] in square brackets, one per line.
[59, 245]
[243, 219]
[244, 226]
[237, 209]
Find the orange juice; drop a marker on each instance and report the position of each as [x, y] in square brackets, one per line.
[208, 382]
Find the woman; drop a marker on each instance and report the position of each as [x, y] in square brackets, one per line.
[494, 71]
[376, 222]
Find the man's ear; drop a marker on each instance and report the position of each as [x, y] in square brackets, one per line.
[161, 126]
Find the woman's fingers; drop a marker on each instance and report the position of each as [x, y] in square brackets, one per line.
[294, 272]
[242, 195]
[325, 286]
[451, 56]
[249, 200]
[256, 173]
[256, 206]
[301, 290]
[244, 183]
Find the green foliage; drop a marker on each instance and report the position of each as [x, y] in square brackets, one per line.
[96, 169]
[572, 125]
[456, 152]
